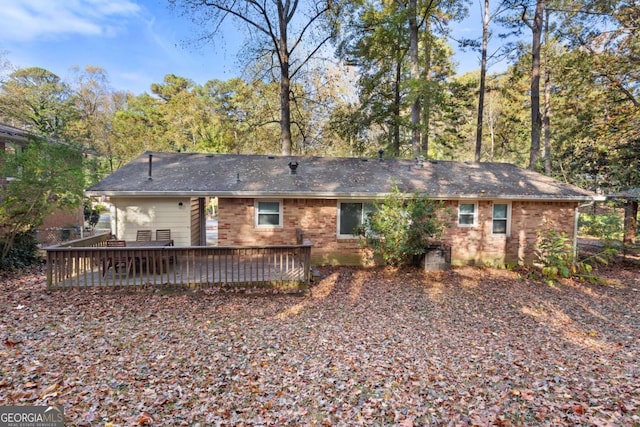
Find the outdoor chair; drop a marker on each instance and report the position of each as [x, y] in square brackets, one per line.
[143, 236]
[118, 261]
[163, 234]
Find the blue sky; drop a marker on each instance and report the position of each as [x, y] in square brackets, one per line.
[137, 42]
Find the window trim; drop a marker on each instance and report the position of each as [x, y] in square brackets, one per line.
[339, 211]
[475, 214]
[256, 210]
[507, 232]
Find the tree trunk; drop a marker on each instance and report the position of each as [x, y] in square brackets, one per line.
[415, 77]
[483, 76]
[396, 109]
[630, 222]
[426, 100]
[492, 133]
[285, 112]
[285, 84]
[546, 120]
[536, 121]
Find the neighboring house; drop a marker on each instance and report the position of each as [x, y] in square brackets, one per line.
[11, 139]
[496, 209]
[60, 225]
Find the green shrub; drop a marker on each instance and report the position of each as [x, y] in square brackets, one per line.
[23, 253]
[101, 208]
[556, 258]
[401, 226]
[602, 226]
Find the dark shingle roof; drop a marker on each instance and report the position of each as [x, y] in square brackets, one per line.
[13, 134]
[22, 137]
[180, 174]
[629, 194]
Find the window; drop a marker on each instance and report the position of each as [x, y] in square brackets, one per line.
[500, 218]
[352, 215]
[467, 214]
[268, 213]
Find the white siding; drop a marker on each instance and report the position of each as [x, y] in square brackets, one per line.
[132, 215]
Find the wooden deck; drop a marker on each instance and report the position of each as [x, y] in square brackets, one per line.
[74, 266]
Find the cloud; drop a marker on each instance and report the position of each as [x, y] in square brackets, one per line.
[29, 20]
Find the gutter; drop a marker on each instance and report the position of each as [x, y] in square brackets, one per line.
[329, 195]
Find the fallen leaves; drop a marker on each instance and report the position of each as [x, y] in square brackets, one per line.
[367, 347]
[11, 342]
[144, 419]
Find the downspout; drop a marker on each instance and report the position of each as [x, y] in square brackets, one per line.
[575, 225]
[114, 224]
[82, 224]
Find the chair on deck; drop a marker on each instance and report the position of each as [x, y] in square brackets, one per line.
[143, 236]
[118, 260]
[163, 234]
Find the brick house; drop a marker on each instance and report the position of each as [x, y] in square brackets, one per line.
[11, 139]
[61, 224]
[495, 209]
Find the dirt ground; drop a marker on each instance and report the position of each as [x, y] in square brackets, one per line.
[470, 346]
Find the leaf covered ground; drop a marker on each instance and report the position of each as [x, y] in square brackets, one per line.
[465, 347]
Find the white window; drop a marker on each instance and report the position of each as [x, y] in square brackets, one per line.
[467, 214]
[500, 219]
[268, 213]
[352, 215]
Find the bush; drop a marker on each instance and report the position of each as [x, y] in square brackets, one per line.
[556, 258]
[50, 177]
[602, 226]
[402, 226]
[23, 253]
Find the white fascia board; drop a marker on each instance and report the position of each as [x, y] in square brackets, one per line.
[331, 195]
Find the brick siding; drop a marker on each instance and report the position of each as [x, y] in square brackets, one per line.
[469, 245]
[478, 245]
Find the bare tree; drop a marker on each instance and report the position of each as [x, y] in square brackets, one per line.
[483, 77]
[427, 98]
[415, 74]
[283, 27]
[546, 118]
[536, 48]
[531, 14]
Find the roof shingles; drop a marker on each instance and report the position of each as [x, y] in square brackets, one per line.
[179, 174]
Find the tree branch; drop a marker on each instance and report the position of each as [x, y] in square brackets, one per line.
[229, 10]
[308, 58]
[306, 27]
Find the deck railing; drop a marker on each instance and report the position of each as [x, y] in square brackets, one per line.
[283, 267]
[97, 240]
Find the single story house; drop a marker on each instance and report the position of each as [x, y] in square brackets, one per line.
[497, 208]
